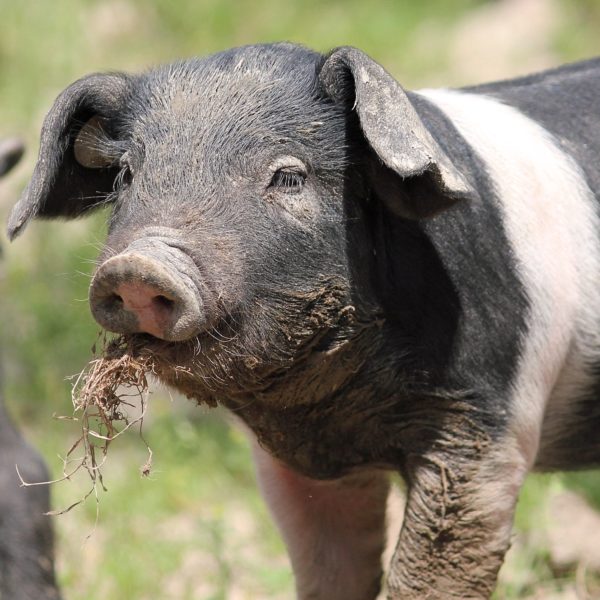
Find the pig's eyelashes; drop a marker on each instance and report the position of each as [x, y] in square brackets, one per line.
[288, 180]
[288, 175]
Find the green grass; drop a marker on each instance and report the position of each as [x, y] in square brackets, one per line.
[197, 527]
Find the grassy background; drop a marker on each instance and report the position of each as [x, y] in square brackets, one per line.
[197, 527]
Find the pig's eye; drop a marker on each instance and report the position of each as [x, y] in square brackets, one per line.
[288, 175]
[288, 179]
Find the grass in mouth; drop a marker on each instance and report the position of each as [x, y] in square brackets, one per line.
[110, 396]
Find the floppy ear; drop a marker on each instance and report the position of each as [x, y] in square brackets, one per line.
[75, 170]
[409, 170]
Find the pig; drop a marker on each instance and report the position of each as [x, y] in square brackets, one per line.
[26, 536]
[373, 280]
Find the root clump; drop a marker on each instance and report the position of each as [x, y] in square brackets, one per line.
[103, 392]
[110, 396]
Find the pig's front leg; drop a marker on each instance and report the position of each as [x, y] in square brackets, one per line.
[334, 530]
[456, 526]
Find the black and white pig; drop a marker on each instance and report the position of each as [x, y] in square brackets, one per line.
[26, 537]
[373, 280]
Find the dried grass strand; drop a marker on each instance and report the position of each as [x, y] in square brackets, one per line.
[99, 403]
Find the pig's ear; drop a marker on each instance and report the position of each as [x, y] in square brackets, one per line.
[77, 163]
[409, 170]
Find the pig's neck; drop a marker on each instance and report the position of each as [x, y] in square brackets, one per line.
[326, 414]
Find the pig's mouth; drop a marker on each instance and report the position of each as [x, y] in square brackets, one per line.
[175, 353]
[215, 346]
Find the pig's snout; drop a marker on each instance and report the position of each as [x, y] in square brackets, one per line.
[134, 293]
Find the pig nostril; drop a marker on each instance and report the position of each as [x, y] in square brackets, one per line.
[116, 300]
[163, 302]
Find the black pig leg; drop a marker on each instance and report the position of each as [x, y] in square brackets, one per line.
[457, 525]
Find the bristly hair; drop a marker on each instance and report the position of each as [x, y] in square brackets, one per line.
[100, 141]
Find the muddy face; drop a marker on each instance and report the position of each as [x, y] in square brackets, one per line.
[227, 247]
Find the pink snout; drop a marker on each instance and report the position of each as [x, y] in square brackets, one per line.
[133, 293]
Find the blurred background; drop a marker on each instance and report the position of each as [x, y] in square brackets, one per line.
[197, 528]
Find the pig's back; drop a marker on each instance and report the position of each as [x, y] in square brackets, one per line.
[540, 152]
[565, 101]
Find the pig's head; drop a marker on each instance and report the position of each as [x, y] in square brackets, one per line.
[242, 187]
